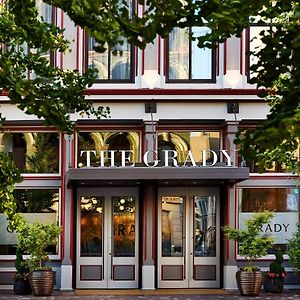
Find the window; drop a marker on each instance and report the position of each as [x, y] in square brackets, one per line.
[255, 44]
[32, 152]
[37, 205]
[186, 61]
[283, 201]
[111, 65]
[107, 141]
[196, 141]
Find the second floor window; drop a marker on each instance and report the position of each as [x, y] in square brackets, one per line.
[186, 61]
[112, 65]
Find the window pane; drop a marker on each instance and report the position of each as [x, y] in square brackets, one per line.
[98, 60]
[110, 64]
[124, 226]
[205, 226]
[37, 205]
[195, 141]
[120, 62]
[106, 141]
[179, 54]
[172, 222]
[32, 152]
[283, 201]
[201, 57]
[91, 224]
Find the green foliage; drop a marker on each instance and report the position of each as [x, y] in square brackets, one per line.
[276, 265]
[294, 250]
[34, 239]
[50, 93]
[20, 265]
[9, 177]
[252, 244]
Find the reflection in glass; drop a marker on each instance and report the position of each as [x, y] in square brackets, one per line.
[105, 141]
[110, 65]
[284, 202]
[124, 226]
[36, 205]
[91, 223]
[186, 60]
[182, 142]
[172, 221]
[32, 152]
[205, 226]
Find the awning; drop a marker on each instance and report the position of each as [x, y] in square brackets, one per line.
[94, 176]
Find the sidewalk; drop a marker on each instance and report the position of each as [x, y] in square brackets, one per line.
[160, 295]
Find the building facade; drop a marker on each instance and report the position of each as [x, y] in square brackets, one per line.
[142, 196]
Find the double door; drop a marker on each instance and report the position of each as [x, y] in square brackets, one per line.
[188, 238]
[107, 238]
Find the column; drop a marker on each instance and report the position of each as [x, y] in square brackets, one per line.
[230, 265]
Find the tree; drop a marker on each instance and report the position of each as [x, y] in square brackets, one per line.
[111, 20]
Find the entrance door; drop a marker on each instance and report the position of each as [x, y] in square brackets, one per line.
[107, 245]
[188, 238]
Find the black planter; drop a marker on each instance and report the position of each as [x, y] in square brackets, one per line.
[22, 286]
[273, 285]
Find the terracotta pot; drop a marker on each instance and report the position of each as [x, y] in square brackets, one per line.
[273, 285]
[42, 282]
[249, 283]
[22, 286]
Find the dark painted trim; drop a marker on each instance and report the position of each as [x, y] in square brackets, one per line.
[216, 91]
[191, 122]
[232, 174]
[110, 122]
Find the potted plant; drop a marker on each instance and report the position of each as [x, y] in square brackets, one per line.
[274, 278]
[294, 250]
[34, 239]
[21, 281]
[252, 245]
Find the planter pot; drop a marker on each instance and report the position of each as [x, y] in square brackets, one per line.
[273, 285]
[22, 286]
[249, 283]
[42, 282]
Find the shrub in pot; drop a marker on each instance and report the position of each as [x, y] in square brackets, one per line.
[252, 245]
[21, 280]
[34, 239]
[274, 278]
[294, 250]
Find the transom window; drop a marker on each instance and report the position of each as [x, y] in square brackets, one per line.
[107, 141]
[32, 152]
[186, 61]
[194, 141]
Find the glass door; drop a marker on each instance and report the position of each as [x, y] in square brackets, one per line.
[188, 238]
[107, 246]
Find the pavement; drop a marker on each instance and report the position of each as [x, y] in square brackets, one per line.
[160, 295]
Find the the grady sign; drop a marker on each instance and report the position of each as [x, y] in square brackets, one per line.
[169, 158]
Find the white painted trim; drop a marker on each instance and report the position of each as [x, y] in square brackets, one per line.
[148, 277]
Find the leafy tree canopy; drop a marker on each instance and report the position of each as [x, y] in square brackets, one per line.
[54, 92]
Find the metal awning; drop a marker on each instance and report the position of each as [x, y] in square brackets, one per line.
[94, 176]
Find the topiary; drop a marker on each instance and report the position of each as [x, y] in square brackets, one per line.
[21, 266]
[276, 267]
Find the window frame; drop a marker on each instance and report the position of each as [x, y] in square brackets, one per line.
[138, 130]
[190, 80]
[57, 256]
[237, 216]
[60, 149]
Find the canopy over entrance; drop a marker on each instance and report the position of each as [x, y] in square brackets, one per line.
[162, 175]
